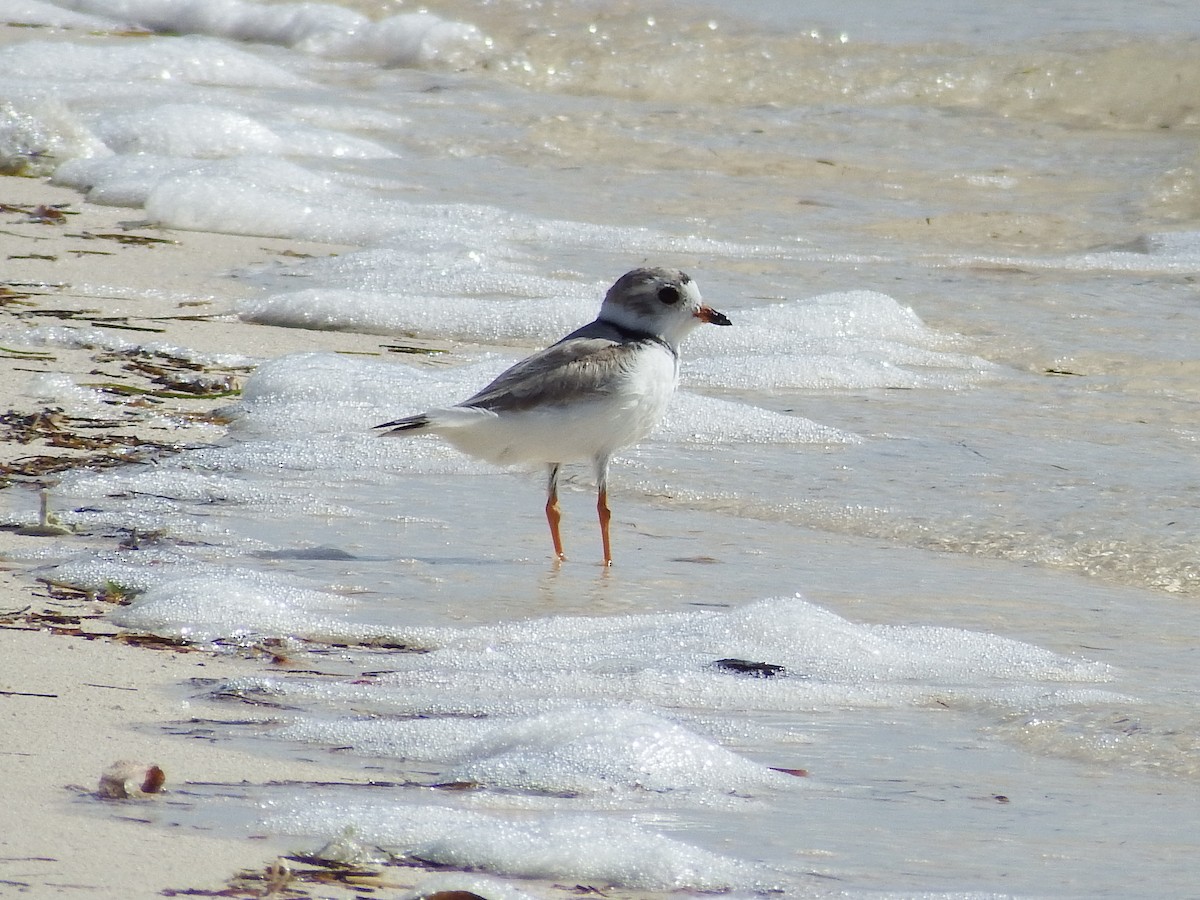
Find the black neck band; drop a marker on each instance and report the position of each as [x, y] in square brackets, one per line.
[634, 334]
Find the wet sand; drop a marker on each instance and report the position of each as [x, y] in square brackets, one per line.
[75, 696]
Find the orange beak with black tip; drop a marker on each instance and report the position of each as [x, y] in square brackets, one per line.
[711, 316]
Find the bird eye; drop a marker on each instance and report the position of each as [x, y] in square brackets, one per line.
[669, 295]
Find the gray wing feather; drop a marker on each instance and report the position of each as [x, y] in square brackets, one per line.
[584, 364]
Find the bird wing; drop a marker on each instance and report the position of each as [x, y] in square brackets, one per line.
[576, 368]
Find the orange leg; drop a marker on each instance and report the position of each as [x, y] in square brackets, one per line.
[605, 517]
[553, 514]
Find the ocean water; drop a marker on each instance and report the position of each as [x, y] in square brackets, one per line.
[941, 472]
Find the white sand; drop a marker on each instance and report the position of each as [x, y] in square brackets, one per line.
[106, 700]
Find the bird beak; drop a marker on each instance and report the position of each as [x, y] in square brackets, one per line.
[711, 316]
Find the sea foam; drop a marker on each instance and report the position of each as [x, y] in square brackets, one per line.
[318, 28]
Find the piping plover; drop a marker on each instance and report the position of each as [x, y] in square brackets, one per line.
[601, 388]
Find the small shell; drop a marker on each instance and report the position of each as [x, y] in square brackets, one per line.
[124, 780]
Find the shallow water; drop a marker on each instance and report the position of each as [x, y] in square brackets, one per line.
[958, 246]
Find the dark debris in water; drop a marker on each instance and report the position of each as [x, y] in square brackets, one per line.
[52, 428]
[414, 349]
[40, 214]
[138, 240]
[746, 667]
[155, 641]
[151, 380]
[296, 877]
[39, 466]
[322, 552]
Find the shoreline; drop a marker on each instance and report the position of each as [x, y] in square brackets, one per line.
[74, 697]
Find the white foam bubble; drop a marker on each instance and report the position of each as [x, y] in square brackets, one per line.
[280, 200]
[571, 659]
[407, 39]
[138, 67]
[319, 28]
[235, 606]
[37, 130]
[583, 750]
[62, 391]
[806, 639]
[432, 235]
[35, 12]
[1171, 251]
[131, 179]
[412, 262]
[131, 572]
[306, 394]
[694, 419]
[442, 282]
[589, 849]
[204, 131]
[464, 317]
[234, 205]
[323, 143]
[841, 315]
[91, 338]
[171, 495]
[194, 130]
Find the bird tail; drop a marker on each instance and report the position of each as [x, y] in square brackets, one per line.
[411, 423]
